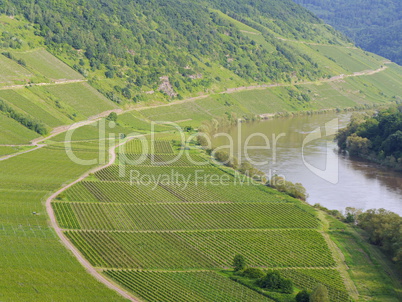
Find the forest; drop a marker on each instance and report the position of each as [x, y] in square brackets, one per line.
[375, 25]
[376, 137]
[133, 44]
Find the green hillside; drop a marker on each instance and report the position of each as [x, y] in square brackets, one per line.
[74, 62]
[125, 48]
[374, 25]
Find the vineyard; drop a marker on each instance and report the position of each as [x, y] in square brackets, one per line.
[167, 215]
[310, 278]
[184, 287]
[165, 227]
[181, 216]
[115, 191]
[203, 249]
[188, 160]
[137, 146]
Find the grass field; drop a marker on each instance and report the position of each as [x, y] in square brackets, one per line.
[352, 60]
[372, 273]
[36, 267]
[7, 150]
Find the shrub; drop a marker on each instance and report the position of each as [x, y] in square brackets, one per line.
[275, 282]
[303, 296]
[253, 273]
[112, 117]
[239, 263]
[319, 294]
[295, 190]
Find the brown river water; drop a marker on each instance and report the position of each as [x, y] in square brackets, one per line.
[302, 150]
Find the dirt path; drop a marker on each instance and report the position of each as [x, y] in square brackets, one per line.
[58, 82]
[250, 32]
[88, 267]
[339, 257]
[263, 86]
[315, 44]
[58, 130]
[169, 104]
[332, 79]
[22, 152]
[112, 152]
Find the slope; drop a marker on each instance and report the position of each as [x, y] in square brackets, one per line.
[299, 76]
[374, 25]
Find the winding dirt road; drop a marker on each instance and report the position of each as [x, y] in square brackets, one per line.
[112, 157]
[88, 267]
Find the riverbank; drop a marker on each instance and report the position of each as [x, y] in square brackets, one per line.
[375, 137]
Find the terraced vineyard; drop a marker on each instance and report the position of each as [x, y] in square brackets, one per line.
[185, 287]
[310, 278]
[142, 220]
[181, 216]
[203, 249]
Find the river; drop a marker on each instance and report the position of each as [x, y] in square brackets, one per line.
[331, 179]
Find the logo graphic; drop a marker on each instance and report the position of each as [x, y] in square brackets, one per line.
[331, 170]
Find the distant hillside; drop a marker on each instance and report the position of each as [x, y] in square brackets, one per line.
[67, 62]
[129, 50]
[375, 25]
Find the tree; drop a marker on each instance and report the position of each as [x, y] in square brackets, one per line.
[271, 281]
[253, 273]
[319, 294]
[112, 117]
[225, 158]
[303, 296]
[358, 146]
[239, 263]
[286, 286]
[109, 74]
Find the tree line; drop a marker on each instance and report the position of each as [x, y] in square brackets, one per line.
[24, 119]
[376, 137]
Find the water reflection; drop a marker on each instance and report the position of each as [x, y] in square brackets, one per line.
[361, 184]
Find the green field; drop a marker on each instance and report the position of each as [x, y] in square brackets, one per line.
[48, 65]
[118, 222]
[352, 60]
[171, 241]
[85, 100]
[33, 107]
[35, 266]
[372, 273]
[7, 150]
[13, 133]
[12, 73]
